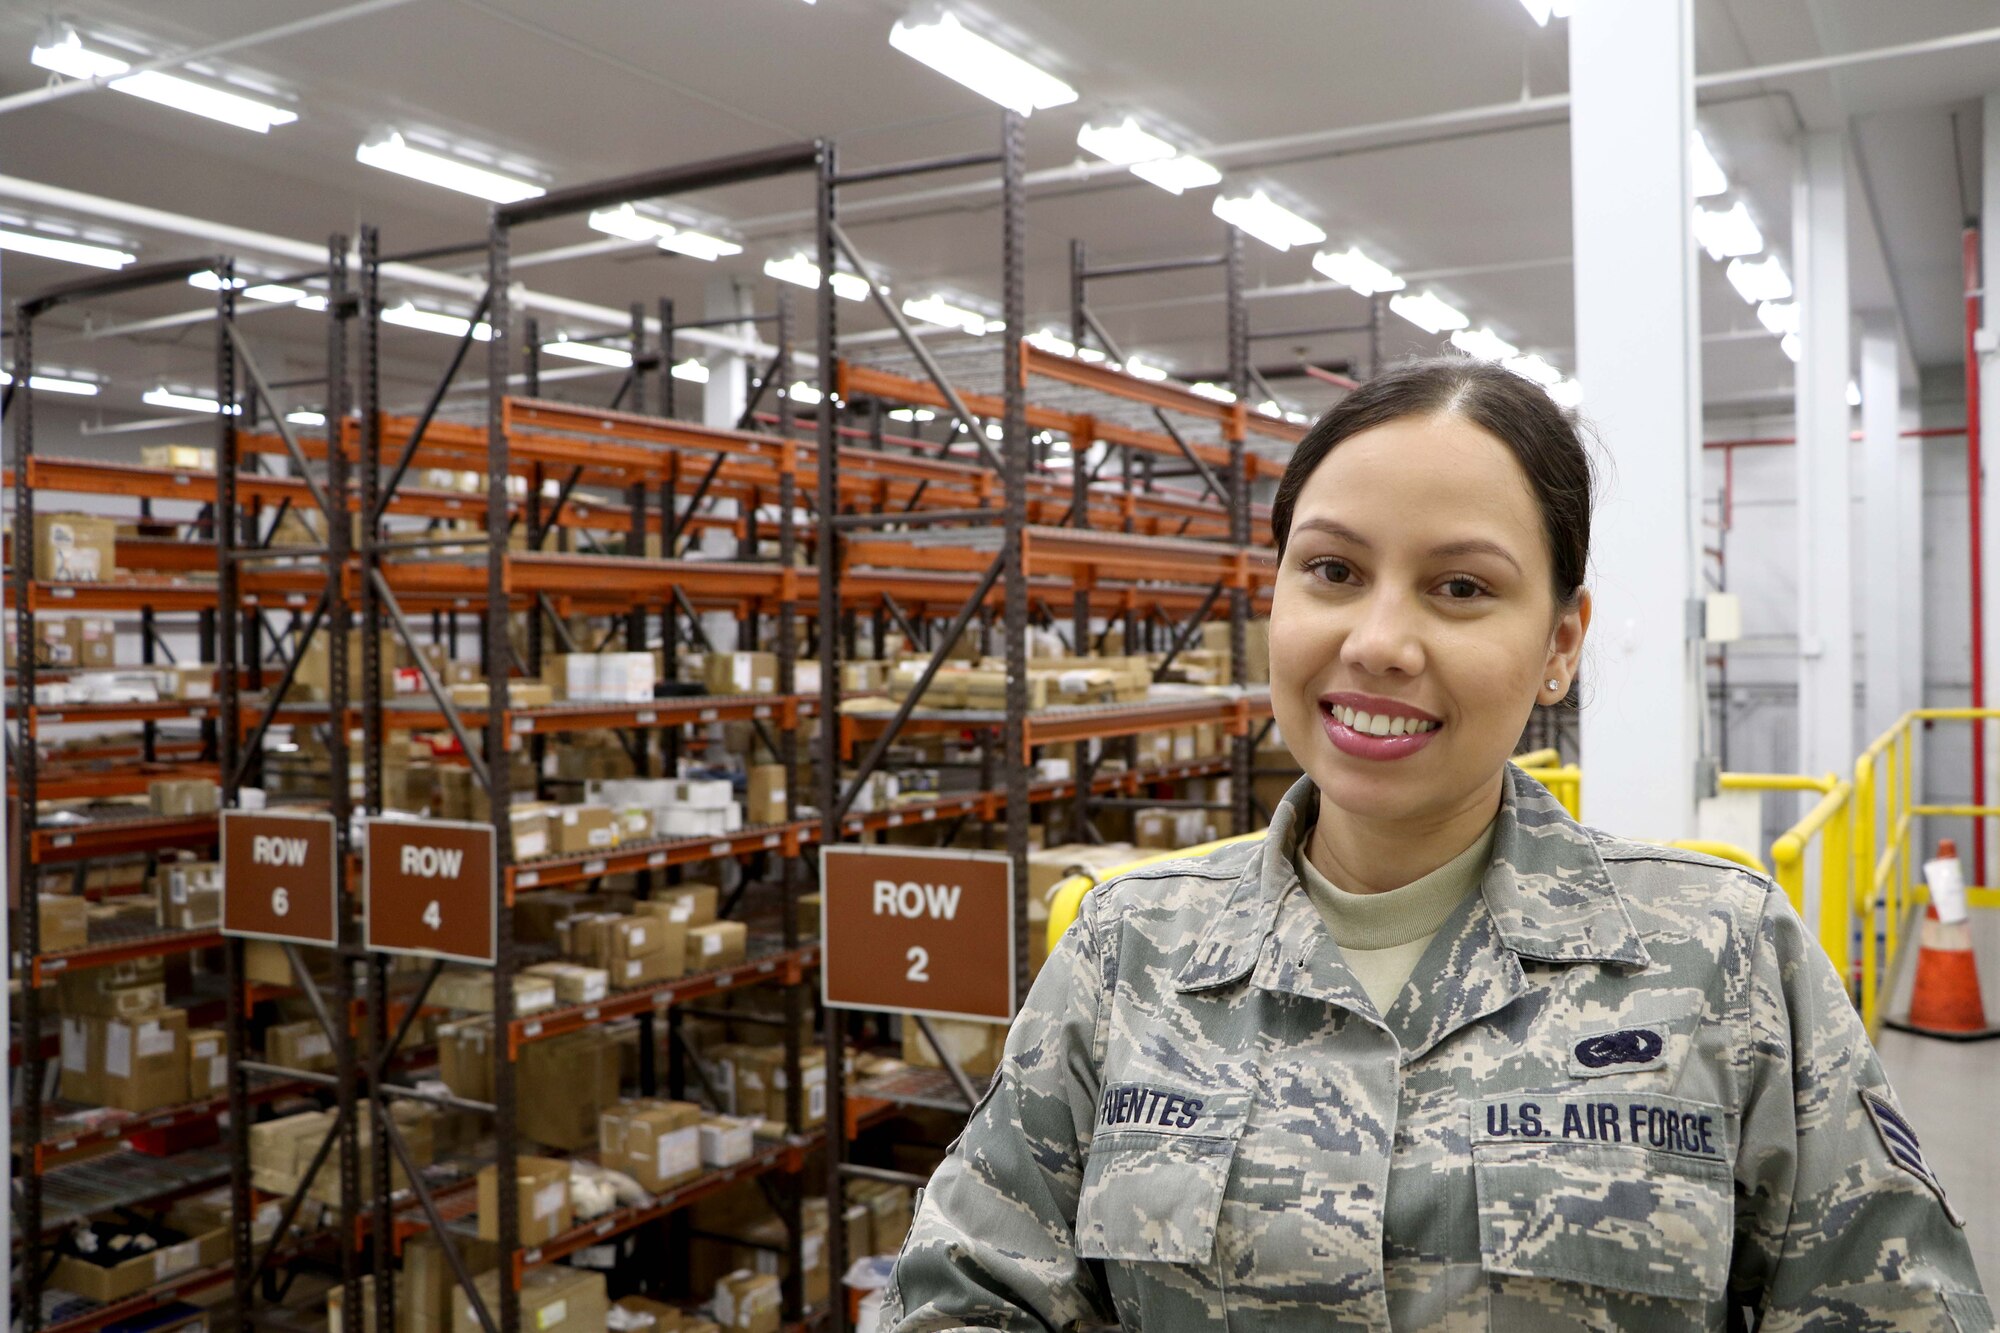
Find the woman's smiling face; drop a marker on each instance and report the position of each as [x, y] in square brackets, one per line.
[1416, 578]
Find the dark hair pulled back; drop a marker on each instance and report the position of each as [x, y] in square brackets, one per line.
[1519, 413]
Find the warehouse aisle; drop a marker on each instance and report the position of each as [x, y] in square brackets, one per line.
[1950, 1090]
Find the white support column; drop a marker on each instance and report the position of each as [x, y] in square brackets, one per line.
[1989, 490]
[729, 373]
[1827, 739]
[1890, 659]
[1631, 118]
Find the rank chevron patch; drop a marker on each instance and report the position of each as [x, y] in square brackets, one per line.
[1901, 1141]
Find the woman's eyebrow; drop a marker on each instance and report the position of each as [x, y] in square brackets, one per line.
[1468, 546]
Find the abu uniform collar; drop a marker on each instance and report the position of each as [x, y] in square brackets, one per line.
[1546, 894]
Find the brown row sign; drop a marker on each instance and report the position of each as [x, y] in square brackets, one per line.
[911, 930]
[277, 876]
[428, 888]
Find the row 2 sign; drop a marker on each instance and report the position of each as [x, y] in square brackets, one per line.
[913, 930]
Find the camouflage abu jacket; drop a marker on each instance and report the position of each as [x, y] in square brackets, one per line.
[1623, 1090]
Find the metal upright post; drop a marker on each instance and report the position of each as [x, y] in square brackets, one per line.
[637, 403]
[1239, 516]
[792, 1196]
[531, 356]
[827, 548]
[498, 657]
[1014, 482]
[338, 528]
[667, 394]
[27, 920]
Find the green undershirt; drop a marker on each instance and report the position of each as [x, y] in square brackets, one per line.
[1383, 935]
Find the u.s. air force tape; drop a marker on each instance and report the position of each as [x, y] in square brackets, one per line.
[1635, 1120]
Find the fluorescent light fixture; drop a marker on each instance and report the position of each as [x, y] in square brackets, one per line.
[1544, 10]
[1484, 344]
[1177, 175]
[69, 56]
[184, 401]
[56, 384]
[70, 252]
[1089, 354]
[1536, 368]
[1427, 312]
[1791, 346]
[802, 272]
[993, 431]
[1707, 175]
[1357, 271]
[937, 310]
[1048, 340]
[1297, 418]
[1055, 446]
[1853, 394]
[964, 57]
[1272, 223]
[1568, 393]
[801, 392]
[1728, 234]
[1212, 391]
[1142, 370]
[391, 152]
[306, 418]
[1780, 317]
[630, 223]
[599, 354]
[913, 414]
[275, 293]
[1758, 280]
[694, 372]
[408, 316]
[1124, 143]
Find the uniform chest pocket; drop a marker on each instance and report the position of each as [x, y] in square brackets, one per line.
[1625, 1191]
[1152, 1191]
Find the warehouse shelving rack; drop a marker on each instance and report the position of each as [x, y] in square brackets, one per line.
[60, 1177]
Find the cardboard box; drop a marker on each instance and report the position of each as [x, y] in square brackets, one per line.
[571, 1079]
[425, 1302]
[555, 1299]
[299, 1046]
[113, 1282]
[657, 1143]
[687, 903]
[145, 1059]
[716, 945]
[465, 1058]
[93, 640]
[725, 1140]
[62, 921]
[583, 828]
[740, 673]
[183, 796]
[177, 457]
[634, 823]
[81, 1078]
[536, 914]
[976, 1047]
[208, 1063]
[574, 983]
[472, 989]
[75, 548]
[864, 677]
[766, 803]
[642, 1314]
[532, 829]
[543, 1186]
[747, 1302]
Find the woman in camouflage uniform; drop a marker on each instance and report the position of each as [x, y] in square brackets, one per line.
[1432, 1054]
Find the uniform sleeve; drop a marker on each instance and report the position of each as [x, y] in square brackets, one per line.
[1840, 1223]
[993, 1245]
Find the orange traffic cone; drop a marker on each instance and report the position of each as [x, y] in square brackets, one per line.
[1944, 1000]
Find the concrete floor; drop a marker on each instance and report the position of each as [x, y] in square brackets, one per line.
[1950, 1091]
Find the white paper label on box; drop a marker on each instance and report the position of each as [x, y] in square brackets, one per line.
[595, 986]
[681, 909]
[314, 1045]
[175, 1259]
[549, 1199]
[599, 837]
[812, 1249]
[632, 969]
[118, 1050]
[155, 1040]
[711, 942]
[75, 1047]
[636, 936]
[218, 1071]
[680, 1152]
[816, 1102]
[552, 1314]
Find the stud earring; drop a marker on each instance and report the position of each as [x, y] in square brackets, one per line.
[1555, 684]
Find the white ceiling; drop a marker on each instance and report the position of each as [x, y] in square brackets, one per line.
[583, 91]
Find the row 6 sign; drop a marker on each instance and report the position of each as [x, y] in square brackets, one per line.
[277, 877]
[912, 930]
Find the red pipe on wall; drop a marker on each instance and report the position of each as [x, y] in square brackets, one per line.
[1972, 302]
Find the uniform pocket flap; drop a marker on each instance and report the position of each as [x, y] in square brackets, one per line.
[1153, 1183]
[1627, 1191]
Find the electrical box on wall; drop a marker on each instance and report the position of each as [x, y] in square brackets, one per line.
[1722, 621]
